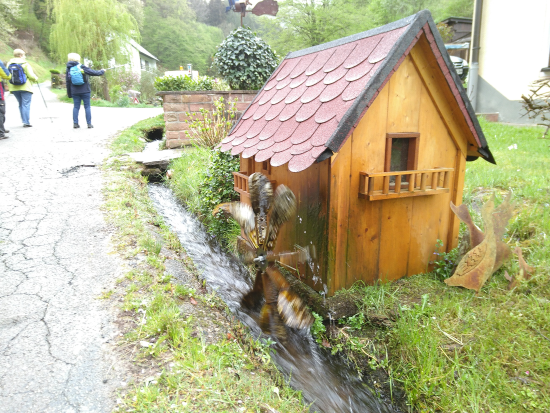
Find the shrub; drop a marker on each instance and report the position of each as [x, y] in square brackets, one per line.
[147, 87]
[126, 79]
[245, 60]
[202, 179]
[171, 83]
[216, 188]
[207, 129]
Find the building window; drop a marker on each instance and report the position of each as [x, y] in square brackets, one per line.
[401, 153]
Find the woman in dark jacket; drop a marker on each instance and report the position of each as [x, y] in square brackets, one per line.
[80, 92]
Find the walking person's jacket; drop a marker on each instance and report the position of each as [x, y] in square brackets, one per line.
[26, 87]
[79, 89]
[4, 74]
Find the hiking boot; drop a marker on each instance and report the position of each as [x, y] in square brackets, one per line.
[4, 137]
[76, 126]
[27, 125]
[90, 126]
[6, 131]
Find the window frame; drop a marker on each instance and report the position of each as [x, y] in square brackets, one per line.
[412, 156]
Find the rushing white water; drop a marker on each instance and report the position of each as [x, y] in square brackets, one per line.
[325, 380]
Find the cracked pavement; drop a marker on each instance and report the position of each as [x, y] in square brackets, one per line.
[56, 334]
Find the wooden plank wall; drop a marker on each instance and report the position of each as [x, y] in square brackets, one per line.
[388, 239]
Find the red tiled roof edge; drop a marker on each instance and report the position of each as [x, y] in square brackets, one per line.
[422, 23]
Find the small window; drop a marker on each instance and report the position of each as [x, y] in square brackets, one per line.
[401, 153]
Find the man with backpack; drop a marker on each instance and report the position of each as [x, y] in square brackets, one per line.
[20, 84]
[4, 74]
[78, 87]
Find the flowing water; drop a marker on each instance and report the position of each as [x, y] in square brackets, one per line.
[325, 380]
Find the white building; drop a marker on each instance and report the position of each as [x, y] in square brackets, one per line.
[139, 59]
[514, 51]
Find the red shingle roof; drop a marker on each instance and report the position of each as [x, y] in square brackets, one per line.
[297, 115]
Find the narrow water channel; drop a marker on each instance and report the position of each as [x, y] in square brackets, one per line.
[325, 380]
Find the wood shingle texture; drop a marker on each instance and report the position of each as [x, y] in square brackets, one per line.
[316, 97]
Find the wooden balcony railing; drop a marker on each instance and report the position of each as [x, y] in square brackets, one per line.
[240, 182]
[387, 185]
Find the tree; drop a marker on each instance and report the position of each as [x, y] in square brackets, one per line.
[9, 11]
[98, 30]
[304, 23]
[171, 33]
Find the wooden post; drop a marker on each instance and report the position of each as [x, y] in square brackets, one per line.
[423, 179]
[398, 184]
[371, 185]
[435, 179]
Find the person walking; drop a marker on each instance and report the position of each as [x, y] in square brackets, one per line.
[78, 87]
[21, 77]
[4, 74]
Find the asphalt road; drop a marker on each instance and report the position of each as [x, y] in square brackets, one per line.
[55, 334]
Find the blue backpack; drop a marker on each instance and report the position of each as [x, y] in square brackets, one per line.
[18, 76]
[76, 75]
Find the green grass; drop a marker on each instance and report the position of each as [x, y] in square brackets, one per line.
[133, 138]
[454, 351]
[233, 373]
[189, 172]
[62, 96]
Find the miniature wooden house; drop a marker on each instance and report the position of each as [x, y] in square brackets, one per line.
[372, 133]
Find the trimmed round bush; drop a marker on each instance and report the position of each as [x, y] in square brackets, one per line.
[244, 60]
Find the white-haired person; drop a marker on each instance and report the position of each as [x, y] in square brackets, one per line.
[78, 87]
[21, 74]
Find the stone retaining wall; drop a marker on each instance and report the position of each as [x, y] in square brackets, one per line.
[177, 104]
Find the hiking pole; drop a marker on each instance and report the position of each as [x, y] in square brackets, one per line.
[114, 67]
[44, 100]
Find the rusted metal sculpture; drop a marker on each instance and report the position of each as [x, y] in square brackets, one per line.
[261, 223]
[267, 7]
[477, 266]
[501, 216]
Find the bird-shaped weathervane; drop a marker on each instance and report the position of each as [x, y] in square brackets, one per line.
[260, 224]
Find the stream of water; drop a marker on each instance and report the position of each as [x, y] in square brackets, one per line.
[325, 380]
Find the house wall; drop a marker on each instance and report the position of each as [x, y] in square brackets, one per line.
[388, 239]
[514, 47]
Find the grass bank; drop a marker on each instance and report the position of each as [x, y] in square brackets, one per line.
[453, 350]
[184, 350]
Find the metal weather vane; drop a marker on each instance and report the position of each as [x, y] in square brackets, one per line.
[269, 7]
[261, 223]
